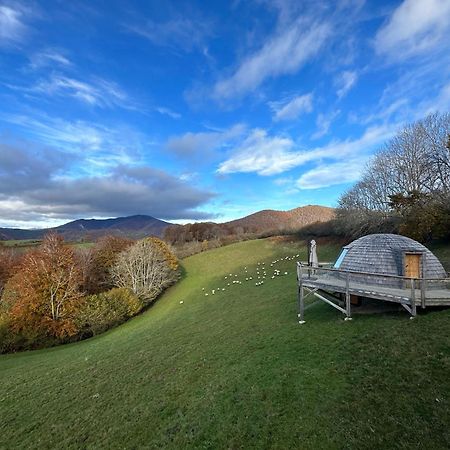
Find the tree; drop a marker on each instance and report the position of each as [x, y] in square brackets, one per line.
[44, 293]
[96, 263]
[146, 268]
[9, 261]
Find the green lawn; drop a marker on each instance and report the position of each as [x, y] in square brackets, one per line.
[235, 370]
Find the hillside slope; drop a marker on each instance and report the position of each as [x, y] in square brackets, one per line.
[272, 220]
[235, 370]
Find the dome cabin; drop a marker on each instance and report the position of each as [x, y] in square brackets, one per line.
[385, 267]
[389, 254]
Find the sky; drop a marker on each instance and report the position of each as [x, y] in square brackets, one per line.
[194, 110]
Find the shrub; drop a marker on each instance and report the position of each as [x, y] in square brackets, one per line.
[146, 268]
[100, 312]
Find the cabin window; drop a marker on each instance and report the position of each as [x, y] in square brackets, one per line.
[338, 263]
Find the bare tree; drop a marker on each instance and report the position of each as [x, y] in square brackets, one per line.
[415, 164]
[146, 268]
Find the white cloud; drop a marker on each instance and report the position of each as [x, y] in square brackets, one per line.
[291, 109]
[12, 27]
[331, 174]
[202, 144]
[262, 154]
[284, 53]
[266, 155]
[415, 27]
[345, 81]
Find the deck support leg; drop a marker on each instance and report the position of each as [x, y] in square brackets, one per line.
[301, 297]
[413, 298]
[348, 311]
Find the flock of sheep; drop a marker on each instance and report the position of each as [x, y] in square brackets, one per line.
[259, 277]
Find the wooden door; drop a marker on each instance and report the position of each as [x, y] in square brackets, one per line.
[412, 265]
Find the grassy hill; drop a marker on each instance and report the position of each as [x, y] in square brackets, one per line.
[235, 370]
[272, 220]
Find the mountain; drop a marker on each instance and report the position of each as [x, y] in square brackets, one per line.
[272, 220]
[140, 226]
[88, 229]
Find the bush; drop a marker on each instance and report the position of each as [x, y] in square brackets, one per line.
[99, 312]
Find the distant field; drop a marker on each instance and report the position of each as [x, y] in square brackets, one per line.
[21, 243]
[236, 370]
[30, 243]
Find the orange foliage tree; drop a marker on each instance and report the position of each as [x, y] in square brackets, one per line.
[44, 294]
[9, 261]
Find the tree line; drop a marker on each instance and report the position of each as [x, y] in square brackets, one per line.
[405, 188]
[56, 293]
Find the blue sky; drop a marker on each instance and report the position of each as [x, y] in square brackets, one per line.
[205, 110]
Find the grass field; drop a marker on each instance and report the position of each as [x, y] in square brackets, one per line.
[235, 370]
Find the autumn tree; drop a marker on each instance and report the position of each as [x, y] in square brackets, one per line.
[9, 261]
[44, 294]
[146, 268]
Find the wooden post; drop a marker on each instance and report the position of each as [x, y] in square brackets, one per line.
[413, 298]
[423, 292]
[347, 298]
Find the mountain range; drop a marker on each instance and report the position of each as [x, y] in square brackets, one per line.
[139, 226]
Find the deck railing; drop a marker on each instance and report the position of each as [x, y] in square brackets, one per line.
[408, 291]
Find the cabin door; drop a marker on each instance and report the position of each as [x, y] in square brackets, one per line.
[412, 265]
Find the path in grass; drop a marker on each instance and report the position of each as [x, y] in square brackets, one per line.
[235, 370]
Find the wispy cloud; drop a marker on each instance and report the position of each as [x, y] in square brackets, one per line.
[49, 57]
[323, 123]
[168, 112]
[12, 23]
[344, 82]
[177, 34]
[415, 27]
[291, 109]
[283, 53]
[98, 92]
[98, 147]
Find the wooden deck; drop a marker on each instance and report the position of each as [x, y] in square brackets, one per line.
[324, 281]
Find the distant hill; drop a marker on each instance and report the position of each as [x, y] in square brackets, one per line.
[272, 220]
[89, 229]
[140, 226]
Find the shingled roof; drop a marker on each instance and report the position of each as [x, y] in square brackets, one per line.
[384, 253]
